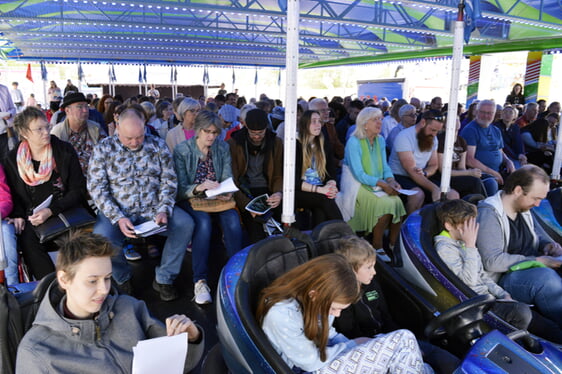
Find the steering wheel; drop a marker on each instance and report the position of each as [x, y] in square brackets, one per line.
[461, 317]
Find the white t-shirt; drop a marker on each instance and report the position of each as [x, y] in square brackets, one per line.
[406, 141]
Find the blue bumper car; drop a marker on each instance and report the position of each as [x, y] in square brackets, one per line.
[465, 327]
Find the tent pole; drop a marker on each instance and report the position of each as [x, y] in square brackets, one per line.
[453, 102]
[291, 64]
[555, 176]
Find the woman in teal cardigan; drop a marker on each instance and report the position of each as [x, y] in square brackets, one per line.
[368, 187]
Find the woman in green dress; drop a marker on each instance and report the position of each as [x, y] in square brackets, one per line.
[369, 201]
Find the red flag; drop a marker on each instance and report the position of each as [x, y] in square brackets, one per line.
[28, 74]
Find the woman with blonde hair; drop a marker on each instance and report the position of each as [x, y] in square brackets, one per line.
[315, 169]
[369, 191]
[296, 313]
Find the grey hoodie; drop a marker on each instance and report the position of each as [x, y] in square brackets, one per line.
[56, 344]
[493, 236]
[466, 263]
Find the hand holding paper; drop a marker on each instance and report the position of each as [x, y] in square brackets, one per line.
[226, 186]
[160, 355]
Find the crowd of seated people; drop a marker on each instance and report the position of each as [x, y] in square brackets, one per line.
[154, 159]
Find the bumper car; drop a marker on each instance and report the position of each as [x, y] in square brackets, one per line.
[246, 349]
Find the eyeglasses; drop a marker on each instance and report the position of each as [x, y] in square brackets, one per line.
[43, 129]
[413, 115]
[210, 132]
[80, 106]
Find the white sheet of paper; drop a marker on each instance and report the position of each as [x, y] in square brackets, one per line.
[226, 186]
[408, 192]
[149, 226]
[45, 204]
[160, 355]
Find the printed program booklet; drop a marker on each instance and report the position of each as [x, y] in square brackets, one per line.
[259, 205]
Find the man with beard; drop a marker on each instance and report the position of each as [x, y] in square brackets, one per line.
[257, 169]
[349, 119]
[413, 160]
[520, 257]
[485, 145]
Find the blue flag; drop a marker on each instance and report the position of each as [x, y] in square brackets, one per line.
[171, 74]
[175, 75]
[113, 76]
[144, 74]
[256, 77]
[233, 77]
[80, 72]
[279, 78]
[472, 14]
[43, 71]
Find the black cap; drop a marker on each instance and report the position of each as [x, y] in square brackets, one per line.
[256, 120]
[73, 97]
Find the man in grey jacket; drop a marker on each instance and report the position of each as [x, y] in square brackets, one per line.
[516, 253]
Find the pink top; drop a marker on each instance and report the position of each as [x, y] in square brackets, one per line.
[189, 134]
[6, 204]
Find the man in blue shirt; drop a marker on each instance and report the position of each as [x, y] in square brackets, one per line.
[485, 143]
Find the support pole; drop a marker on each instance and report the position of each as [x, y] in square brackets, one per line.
[453, 102]
[292, 61]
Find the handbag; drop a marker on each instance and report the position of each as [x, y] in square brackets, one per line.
[211, 205]
[65, 221]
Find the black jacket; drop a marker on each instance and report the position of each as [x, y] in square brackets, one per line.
[70, 172]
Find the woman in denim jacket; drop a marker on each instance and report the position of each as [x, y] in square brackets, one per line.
[201, 163]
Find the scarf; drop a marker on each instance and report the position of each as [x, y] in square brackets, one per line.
[25, 165]
[367, 160]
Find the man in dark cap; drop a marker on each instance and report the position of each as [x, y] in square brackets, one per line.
[257, 169]
[77, 129]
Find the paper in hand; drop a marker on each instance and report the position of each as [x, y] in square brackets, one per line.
[160, 355]
[226, 186]
[44, 205]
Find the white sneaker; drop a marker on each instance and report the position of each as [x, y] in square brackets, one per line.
[202, 292]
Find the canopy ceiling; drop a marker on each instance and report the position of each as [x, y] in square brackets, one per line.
[252, 32]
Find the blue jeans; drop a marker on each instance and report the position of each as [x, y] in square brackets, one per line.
[539, 286]
[180, 230]
[232, 231]
[11, 252]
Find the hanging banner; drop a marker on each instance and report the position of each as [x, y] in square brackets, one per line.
[532, 74]
[545, 77]
[473, 79]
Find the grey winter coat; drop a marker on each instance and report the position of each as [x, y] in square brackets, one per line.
[493, 237]
[56, 344]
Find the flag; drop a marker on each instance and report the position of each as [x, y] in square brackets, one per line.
[43, 71]
[279, 78]
[472, 14]
[233, 77]
[144, 74]
[113, 76]
[256, 77]
[80, 72]
[28, 74]
[140, 75]
[206, 76]
[171, 74]
[175, 75]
